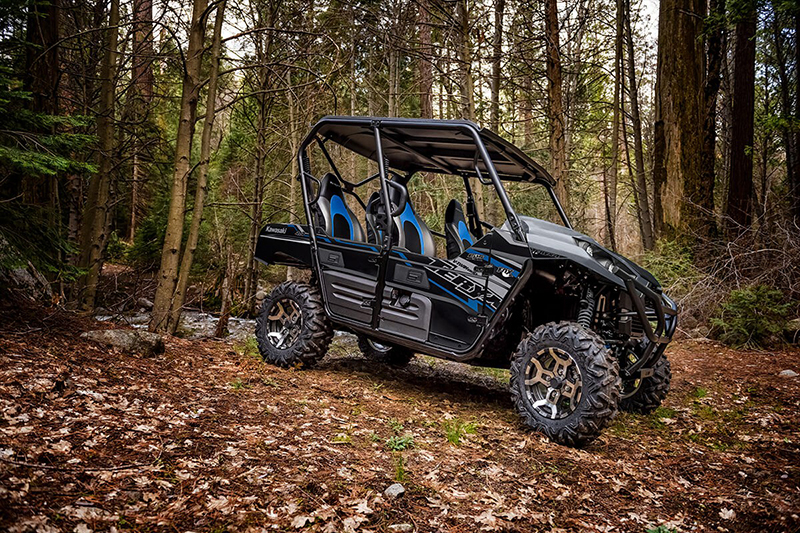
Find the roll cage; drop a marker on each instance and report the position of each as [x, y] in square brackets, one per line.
[454, 147]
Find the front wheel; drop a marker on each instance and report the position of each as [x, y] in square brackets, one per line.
[564, 383]
[645, 395]
[292, 327]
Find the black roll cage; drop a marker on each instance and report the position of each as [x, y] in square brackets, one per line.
[377, 125]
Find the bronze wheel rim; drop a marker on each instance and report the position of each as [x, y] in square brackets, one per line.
[553, 383]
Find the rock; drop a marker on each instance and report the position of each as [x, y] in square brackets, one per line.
[144, 302]
[128, 340]
[401, 528]
[792, 330]
[788, 374]
[394, 491]
[28, 281]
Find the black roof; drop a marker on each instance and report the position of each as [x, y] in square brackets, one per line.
[428, 145]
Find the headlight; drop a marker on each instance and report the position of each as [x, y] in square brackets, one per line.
[598, 254]
[608, 264]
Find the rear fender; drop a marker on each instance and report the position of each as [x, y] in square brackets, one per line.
[284, 244]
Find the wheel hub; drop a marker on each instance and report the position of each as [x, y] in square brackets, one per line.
[285, 323]
[553, 383]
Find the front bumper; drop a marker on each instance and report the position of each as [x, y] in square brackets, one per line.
[650, 306]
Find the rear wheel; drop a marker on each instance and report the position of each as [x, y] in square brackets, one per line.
[292, 328]
[564, 383]
[387, 353]
[645, 395]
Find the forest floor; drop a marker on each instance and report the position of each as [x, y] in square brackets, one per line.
[206, 437]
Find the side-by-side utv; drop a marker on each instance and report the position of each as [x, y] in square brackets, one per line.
[582, 329]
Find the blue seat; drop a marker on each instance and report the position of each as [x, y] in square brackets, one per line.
[334, 218]
[459, 238]
[411, 231]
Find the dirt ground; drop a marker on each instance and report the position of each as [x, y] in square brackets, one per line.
[207, 438]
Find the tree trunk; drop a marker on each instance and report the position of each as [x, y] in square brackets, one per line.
[179, 297]
[468, 86]
[613, 177]
[225, 292]
[96, 212]
[679, 110]
[465, 52]
[784, 87]
[497, 55]
[794, 175]
[558, 152]
[640, 186]
[425, 58]
[42, 57]
[170, 254]
[701, 217]
[740, 191]
[142, 87]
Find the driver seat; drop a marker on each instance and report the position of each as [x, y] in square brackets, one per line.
[410, 233]
[458, 235]
[334, 218]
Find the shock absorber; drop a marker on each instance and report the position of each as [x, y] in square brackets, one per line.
[586, 313]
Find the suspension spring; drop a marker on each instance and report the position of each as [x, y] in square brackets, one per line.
[586, 313]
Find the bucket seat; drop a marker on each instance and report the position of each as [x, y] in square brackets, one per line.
[458, 235]
[410, 233]
[334, 218]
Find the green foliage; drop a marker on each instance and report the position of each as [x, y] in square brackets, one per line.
[238, 385]
[116, 249]
[752, 317]
[672, 264]
[662, 529]
[149, 239]
[28, 234]
[456, 429]
[400, 474]
[36, 145]
[398, 443]
[34, 149]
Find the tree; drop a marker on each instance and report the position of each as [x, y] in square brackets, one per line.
[142, 96]
[612, 179]
[678, 137]
[740, 189]
[96, 214]
[424, 61]
[558, 150]
[714, 28]
[190, 94]
[640, 183]
[202, 178]
[497, 55]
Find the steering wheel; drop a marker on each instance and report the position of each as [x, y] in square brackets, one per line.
[403, 199]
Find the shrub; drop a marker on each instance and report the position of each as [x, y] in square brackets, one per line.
[117, 249]
[672, 264]
[752, 317]
[455, 430]
[396, 443]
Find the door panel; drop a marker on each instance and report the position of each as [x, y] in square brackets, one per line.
[349, 274]
[454, 291]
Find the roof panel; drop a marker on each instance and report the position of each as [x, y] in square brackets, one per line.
[427, 145]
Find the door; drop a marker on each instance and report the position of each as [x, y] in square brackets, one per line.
[349, 277]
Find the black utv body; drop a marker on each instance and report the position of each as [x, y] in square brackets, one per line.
[582, 329]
